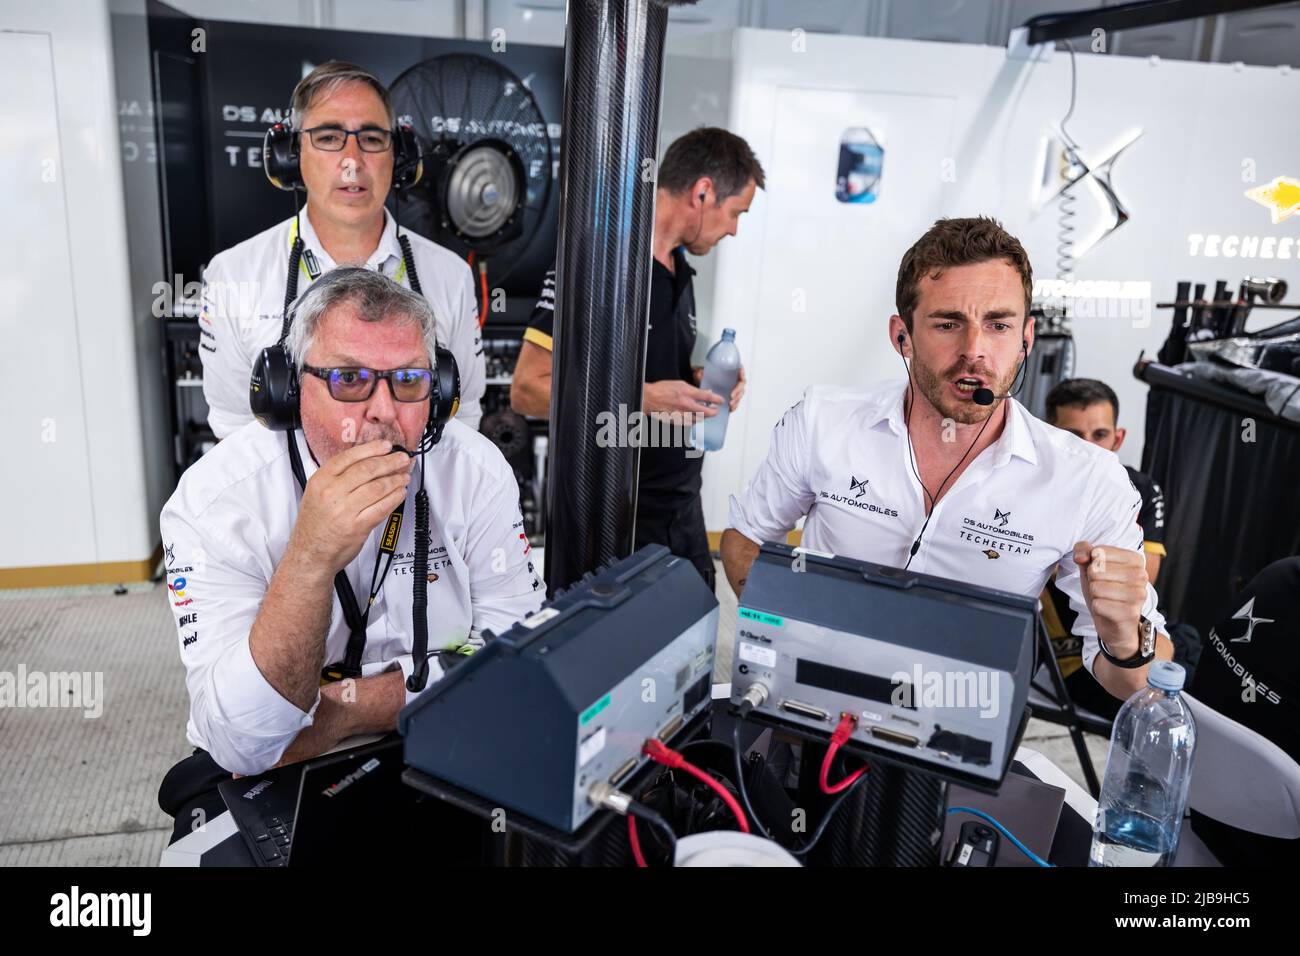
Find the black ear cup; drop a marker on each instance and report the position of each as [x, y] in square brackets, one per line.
[408, 159]
[445, 400]
[280, 157]
[273, 390]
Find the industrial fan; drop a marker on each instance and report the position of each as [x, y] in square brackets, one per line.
[487, 156]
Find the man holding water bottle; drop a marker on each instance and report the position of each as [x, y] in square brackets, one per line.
[707, 180]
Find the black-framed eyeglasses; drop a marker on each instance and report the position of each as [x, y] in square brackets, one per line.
[353, 384]
[332, 139]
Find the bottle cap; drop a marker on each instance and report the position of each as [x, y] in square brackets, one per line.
[1167, 676]
[728, 333]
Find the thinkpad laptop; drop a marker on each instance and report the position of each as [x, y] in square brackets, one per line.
[346, 805]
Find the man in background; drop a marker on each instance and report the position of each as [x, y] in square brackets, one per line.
[707, 181]
[1089, 409]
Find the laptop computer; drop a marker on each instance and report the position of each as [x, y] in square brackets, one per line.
[346, 805]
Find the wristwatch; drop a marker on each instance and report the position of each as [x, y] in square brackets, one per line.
[1146, 646]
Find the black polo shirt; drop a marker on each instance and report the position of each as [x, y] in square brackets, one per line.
[669, 479]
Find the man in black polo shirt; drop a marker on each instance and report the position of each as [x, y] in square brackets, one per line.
[1089, 409]
[707, 180]
[1250, 671]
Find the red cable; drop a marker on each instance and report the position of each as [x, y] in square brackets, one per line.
[482, 271]
[635, 841]
[671, 758]
[842, 734]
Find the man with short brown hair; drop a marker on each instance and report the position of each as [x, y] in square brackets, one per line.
[948, 475]
[706, 182]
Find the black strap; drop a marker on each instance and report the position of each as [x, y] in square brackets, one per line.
[357, 620]
[409, 258]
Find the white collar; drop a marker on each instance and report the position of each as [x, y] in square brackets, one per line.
[1016, 438]
[389, 248]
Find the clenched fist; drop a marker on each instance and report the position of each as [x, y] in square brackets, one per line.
[1114, 582]
[347, 497]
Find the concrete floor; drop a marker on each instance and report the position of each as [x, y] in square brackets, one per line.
[82, 791]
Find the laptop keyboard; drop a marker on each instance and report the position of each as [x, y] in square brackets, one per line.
[273, 843]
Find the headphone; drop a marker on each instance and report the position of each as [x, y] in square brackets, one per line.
[274, 389]
[700, 229]
[282, 149]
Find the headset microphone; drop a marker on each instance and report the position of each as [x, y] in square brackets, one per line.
[985, 396]
[981, 396]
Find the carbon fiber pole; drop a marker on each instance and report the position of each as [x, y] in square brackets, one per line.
[614, 51]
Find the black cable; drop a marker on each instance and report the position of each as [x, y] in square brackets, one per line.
[420, 592]
[700, 229]
[295, 257]
[407, 256]
[745, 708]
[655, 819]
[1287, 401]
[911, 456]
[826, 817]
[808, 847]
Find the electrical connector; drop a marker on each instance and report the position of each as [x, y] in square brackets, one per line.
[755, 696]
[848, 723]
[670, 758]
[605, 797]
[656, 751]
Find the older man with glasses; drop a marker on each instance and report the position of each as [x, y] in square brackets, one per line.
[341, 139]
[252, 557]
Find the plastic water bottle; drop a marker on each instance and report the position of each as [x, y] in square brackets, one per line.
[1148, 769]
[721, 372]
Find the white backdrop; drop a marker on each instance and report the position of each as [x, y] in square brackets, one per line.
[83, 430]
[808, 283]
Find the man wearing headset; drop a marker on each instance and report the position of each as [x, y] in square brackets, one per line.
[948, 475]
[706, 182]
[259, 529]
[342, 146]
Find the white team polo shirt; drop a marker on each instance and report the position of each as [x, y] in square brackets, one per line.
[226, 528]
[243, 309]
[841, 457]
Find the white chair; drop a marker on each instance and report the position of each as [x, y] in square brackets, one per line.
[1242, 778]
